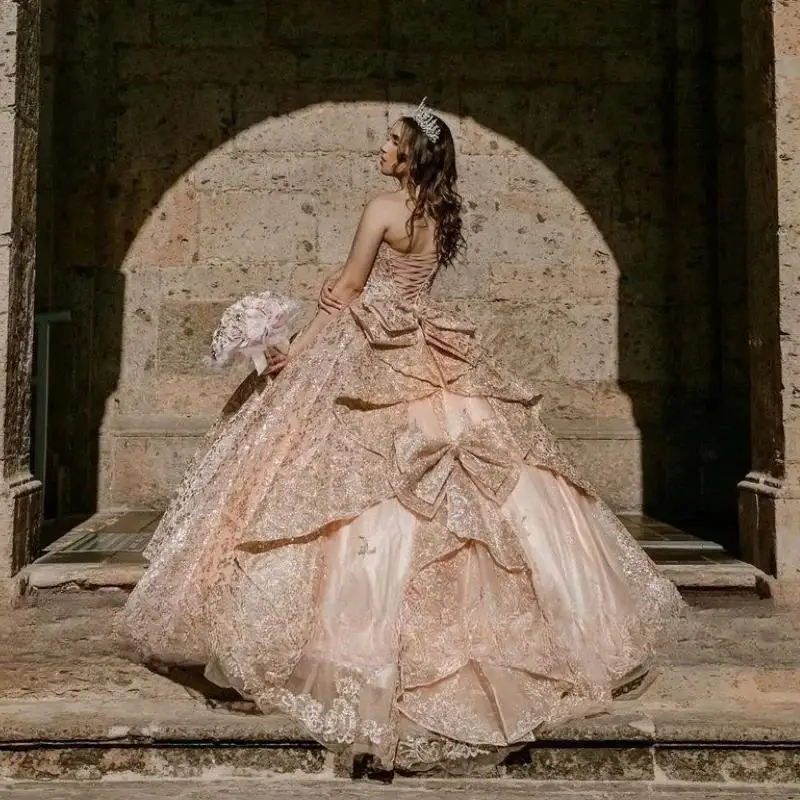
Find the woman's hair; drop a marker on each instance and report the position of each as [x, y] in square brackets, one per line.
[432, 185]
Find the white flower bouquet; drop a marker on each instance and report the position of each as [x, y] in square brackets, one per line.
[251, 327]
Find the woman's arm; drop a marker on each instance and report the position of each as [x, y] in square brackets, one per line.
[368, 237]
[371, 230]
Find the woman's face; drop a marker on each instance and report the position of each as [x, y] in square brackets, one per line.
[389, 161]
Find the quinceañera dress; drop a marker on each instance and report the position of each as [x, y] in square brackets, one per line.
[387, 545]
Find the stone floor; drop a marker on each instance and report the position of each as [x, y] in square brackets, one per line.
[724, 709]
[106, 550]
[334, 790]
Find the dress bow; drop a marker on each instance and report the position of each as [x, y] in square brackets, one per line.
[426, 466]
[390, 323]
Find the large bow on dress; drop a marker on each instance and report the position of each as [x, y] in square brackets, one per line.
[431, 472]
[422, 340]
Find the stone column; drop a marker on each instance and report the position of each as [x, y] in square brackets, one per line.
[769, 502]
[20, 493]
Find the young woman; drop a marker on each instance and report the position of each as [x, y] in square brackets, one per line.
[385, 543]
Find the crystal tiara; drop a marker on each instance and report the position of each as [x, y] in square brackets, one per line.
[426, 120]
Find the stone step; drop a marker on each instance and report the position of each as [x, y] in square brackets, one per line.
[724, 707]
[695, 724]
[294, 788]
[734, 576]
[764, 756]
[105, 551]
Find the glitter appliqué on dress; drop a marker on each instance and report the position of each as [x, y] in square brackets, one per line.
[386, 544]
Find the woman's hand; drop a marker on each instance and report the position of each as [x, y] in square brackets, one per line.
[277, 361]
[327, 301]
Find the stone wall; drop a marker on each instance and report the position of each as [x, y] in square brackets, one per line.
[19, 115]
[770, 496]
[208, 149]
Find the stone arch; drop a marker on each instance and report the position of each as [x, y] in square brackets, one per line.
[148, 88]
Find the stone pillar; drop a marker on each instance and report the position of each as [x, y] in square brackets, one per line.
[769, 501]
[20, 498]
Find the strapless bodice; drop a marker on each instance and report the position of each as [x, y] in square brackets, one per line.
[407, 276]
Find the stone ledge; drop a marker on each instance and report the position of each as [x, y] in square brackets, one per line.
[324, 788]
[73, 705]
[688, 577]
[81, 576]
[774, 760]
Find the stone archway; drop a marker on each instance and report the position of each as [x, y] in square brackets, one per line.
[619, 130]
[158, 46]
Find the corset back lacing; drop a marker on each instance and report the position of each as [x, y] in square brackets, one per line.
[411, 273]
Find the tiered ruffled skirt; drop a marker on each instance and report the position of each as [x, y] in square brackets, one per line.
[387, 545]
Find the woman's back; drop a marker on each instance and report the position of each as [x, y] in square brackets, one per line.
[422, 240]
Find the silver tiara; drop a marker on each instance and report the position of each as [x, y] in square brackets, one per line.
[425, 118]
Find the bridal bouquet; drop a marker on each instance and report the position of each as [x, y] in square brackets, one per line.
[253, 325]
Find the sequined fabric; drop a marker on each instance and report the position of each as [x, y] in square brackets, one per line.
[386, 544]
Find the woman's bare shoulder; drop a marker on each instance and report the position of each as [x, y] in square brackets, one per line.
[387, 200]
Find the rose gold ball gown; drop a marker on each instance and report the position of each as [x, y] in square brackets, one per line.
[387, 545]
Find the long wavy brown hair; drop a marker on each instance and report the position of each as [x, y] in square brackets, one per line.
[432, 179]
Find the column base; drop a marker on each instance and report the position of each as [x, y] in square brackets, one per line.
[769, 528]
[20, 524]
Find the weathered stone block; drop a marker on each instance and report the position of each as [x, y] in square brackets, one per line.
[542, 763]
[418, 25]
[223, 282]
[346, 23]
[643, 180]
[613, 466]
[751, 766]
[463, 280]
[632, 114]
[311, 120]
[156, 120]
[227, 66]
[339, 64]
[511, 228]
[787, 28]
[168, 235]
[586, 401]
[146, 470]
[24, 496]
[131, 22]
[642, 253]
[193, 23]
[328, 173]
[307, 279]
[25, 195]
[520, 333]
[258, 226]
[337, 220]
[587, 343]
[6, 167]
[644, 344]
[139, 335]
[594, 274]
[484, 174]
[527, 68]
[533, 24]
[184, 334]
[86, 765]
[197, 396]
[493, 120]
[631, 65]
[8, 53]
